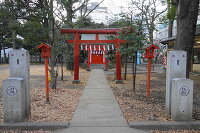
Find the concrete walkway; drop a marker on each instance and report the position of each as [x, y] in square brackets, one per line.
[98, 111]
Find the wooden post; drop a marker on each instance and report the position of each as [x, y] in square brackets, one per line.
[106, 65]
[105, 60]
[149, 77]
[76, 58]
[88, 69]
[46, 79]
[118, 63]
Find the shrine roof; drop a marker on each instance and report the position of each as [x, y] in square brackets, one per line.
[148, 46]
[44, 45]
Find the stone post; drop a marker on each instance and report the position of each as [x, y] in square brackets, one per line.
[19, 61]
[14, 100]
[182, 99]
[176, 68]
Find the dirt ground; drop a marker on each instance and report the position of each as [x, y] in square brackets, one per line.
[134, 104]
[137, 107]
[63, 100]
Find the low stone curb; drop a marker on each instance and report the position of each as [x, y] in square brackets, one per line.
[169, 125]
[34, 125]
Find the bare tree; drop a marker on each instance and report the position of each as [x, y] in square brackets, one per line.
[71, 9]
[147, 11]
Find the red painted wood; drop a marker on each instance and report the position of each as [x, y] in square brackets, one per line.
[118, 64]
[97, 59]
[46, 50]
[97, 41]
[105, 62]
[46, 79]
[77, 41]
[76, 57]
[149, 77]
[149, 51]
[97, 36]
[88, 59]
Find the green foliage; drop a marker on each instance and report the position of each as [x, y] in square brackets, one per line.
[34, 33]
[88, 23]
[69, 61]
[111, 56]
[25, 19]
[171, 14]
[132, 33]
[163, 20]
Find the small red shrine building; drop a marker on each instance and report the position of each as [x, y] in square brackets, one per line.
[97, 52]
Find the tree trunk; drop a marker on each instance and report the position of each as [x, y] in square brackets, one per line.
[0, 53]
[134, 70]
[187, 12]
[170, 28]
[40, 59]
[62, 62]
[126, 63]
[69, 14]
[151, 36]
[4, 53]
[14, 39]
[51, 41]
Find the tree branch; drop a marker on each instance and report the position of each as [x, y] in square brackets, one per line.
[88, 13]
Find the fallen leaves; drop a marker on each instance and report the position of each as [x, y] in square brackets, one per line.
[134, 103]
[63, 100]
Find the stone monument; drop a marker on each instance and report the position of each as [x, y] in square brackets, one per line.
[176, 68]
[13, 100]
[19, 61]
[182, 99]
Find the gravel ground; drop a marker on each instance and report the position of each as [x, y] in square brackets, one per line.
[63, 100]
[136, 107]
[134, 104]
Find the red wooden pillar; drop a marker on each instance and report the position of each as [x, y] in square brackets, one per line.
[118, 63]
[46, 79]
[76, 58]
[97, 37]
[105, 60]
[88, 69]
[148, 77]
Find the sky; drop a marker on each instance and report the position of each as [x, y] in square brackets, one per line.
[119, 6]
[114, 6]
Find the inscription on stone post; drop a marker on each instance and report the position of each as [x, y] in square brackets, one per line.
[11, 91]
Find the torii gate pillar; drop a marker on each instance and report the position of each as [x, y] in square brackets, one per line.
[118, 64]
[76, 58]
[89, 58]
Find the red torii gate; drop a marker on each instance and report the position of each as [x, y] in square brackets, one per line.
[77, 42]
